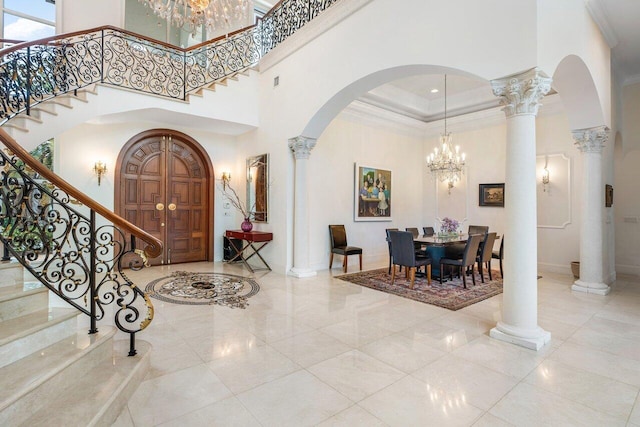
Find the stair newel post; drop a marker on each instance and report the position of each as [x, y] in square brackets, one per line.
[92, 273]
[28, 76]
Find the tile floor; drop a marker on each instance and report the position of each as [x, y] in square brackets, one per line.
[320, 351]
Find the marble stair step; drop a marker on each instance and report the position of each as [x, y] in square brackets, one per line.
[27, 334]
[96, 399]
[22, 299]
[26, 382]
[11, 273]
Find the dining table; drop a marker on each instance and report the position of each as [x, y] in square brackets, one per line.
[436, 246]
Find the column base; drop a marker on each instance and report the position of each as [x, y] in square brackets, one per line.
[533, 340]
[302, 272]
[591, 287]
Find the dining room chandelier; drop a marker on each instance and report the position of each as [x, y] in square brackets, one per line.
[214, 14]
[446, 163]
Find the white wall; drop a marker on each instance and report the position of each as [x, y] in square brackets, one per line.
[77, 15]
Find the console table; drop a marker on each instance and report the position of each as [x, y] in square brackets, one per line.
[248, 239]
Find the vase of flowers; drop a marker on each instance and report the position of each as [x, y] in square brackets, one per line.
[235, 201]
[449, 226]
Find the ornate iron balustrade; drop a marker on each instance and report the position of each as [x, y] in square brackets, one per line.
[79, 251]
[33, 72]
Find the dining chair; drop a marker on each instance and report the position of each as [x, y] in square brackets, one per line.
[339, 246]
[428, 231]
[389, 243]
[499, 254]
[404, 254]
[486, 253]
[478, 229]
[414, 231]
[468, 259]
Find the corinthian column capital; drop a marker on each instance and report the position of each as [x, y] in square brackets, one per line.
[521, 93]
[302, 146]
[591, 140]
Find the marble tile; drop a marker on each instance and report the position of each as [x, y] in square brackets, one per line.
[635, 414]
[309, 348]
[355, 374]
[471, 325]
[223, 344]
[488, 420]
[599, 362]
[600, 393]
[298, 399]
[403, 353]
[609, 343]
[439, 336]
[527, 405]
[500, 356]
[353, 416]
[473, 383]
[124, 419]
[228, 413]
[167, 359]
[252, 368]
[355, 332]
[409, 402]
[161, 399]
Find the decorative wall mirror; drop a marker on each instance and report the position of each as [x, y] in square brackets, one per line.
[258, 186]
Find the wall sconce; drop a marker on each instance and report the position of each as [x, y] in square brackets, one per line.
[226, 177]
[545, 178]
[100, 169]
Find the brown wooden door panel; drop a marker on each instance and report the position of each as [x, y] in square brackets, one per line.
[165, 190]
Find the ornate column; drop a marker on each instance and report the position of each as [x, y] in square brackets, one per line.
[590, 143]
[521, 94]
[301, 147]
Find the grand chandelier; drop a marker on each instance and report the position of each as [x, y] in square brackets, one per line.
[445, 163]
[214, 14]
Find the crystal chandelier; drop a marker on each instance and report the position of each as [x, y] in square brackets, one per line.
[195, 13]
[446, 163]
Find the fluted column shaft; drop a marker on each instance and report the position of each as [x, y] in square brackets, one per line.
[521, 95]
[301, 147]
[590, 142]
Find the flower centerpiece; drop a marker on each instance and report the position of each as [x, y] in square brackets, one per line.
[449, 226]
[235, 201]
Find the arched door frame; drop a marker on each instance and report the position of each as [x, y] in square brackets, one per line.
[196, 147]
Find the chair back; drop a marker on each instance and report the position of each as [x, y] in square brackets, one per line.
[338, 236]
[478, 229]
[487, 247]
[414, 231]
[471, 249]
[428, 231]
[389, 238]
[402, 248]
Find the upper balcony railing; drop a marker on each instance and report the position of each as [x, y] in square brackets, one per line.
[33, 72]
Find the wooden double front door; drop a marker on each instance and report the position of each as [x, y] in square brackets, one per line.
[165, 189]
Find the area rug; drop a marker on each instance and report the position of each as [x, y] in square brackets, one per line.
[450, 295]
[184, 287]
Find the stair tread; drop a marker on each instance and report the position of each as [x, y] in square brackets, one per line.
[104, 384]
[19, 327]
[16, 291]
[27, 373]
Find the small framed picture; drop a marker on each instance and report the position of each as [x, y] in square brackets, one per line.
[608, 196]
[373, 194]
[492, 195]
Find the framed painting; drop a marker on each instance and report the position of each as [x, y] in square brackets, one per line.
[492, 195]
[373, 194]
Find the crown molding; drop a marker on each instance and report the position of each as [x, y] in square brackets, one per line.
[599, 15]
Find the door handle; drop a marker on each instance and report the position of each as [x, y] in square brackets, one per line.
[172, 206]
[160, 206]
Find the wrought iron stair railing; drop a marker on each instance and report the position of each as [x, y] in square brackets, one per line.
[33, 72]
[72, 244]
[69, 242]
